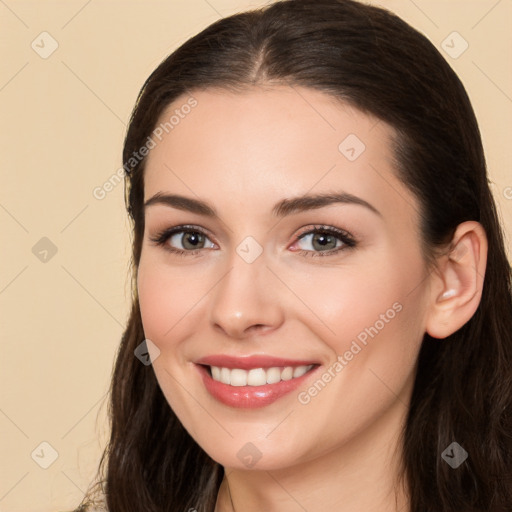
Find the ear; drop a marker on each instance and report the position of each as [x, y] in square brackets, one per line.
[458, 281]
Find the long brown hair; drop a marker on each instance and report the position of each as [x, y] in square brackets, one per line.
[371, 59]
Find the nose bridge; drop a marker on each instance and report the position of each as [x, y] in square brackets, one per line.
[245, 296]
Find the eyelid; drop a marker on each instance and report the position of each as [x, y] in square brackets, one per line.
[324, 228]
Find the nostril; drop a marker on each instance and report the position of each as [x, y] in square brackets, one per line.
[258, 327]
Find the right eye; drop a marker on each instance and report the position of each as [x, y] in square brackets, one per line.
[191, 238]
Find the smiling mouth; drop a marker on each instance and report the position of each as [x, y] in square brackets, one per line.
[256, 376]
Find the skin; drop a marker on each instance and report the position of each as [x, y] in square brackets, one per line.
[242, 153]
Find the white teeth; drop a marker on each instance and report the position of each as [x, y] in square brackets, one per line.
[237, 377]
[257, 376]
[224, 375]
[273, 375]
[215, 372]
[287, 373]
[299, 371]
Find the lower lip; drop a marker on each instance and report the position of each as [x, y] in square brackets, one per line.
[250, 397]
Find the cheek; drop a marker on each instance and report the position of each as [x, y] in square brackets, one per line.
[154, 303]
[372, 315]
[167, 309]
[164, 297]
[374, 330]
[345, 302]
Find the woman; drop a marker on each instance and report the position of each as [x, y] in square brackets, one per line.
[374, 377]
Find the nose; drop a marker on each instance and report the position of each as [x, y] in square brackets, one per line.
[246, 300]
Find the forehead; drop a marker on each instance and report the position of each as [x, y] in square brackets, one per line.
[261, 145]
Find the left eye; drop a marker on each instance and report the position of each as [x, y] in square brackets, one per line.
[190, 240]
[325, 241]
[320, 241]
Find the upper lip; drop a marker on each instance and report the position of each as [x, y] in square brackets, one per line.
[249, 362]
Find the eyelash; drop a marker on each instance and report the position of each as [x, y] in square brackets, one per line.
[161, 239]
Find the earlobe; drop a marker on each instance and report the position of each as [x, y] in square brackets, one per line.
[458, 283]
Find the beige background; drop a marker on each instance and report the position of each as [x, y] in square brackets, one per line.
[64, 119]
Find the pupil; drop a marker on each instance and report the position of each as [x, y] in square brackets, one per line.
[323, 240]
[193, 239]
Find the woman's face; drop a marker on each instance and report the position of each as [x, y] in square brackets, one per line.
[256, 279]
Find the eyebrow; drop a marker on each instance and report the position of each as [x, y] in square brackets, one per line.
[281, 209]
